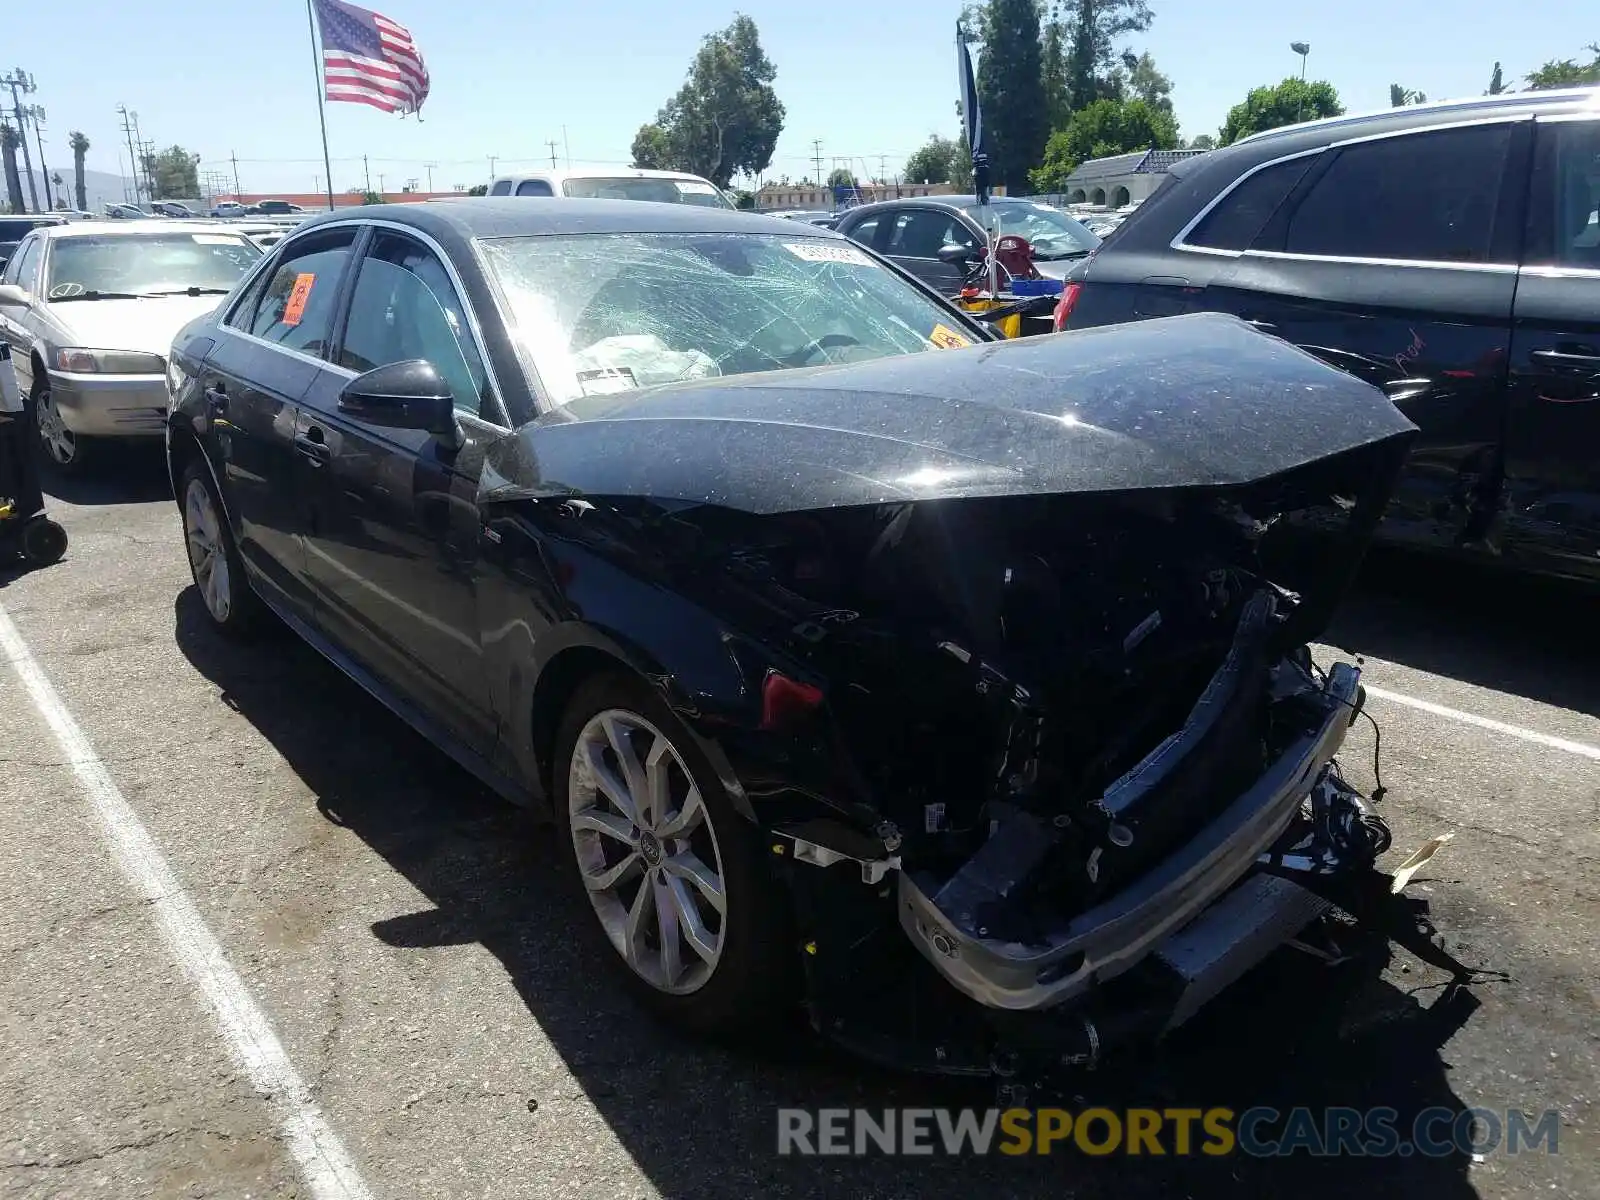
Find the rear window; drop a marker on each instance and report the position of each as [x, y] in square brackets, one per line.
[1240, 215]
[661, 191]
[534, 187]
[501, 188]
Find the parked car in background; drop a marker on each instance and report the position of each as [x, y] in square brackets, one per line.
[275, 208]
[228, 208]
[1449, 254]
[89, 310]
[914, 232]
[172, 208]
[826, 220]
[126, 212]
[606, 183]
[14, 229]
[886, 683]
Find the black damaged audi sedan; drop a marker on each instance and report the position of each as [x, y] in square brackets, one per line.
[935, 681]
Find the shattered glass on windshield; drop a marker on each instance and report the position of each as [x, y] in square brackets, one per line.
[606, 313]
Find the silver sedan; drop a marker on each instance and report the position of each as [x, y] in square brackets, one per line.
[90, 310]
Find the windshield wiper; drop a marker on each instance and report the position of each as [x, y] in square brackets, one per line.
[1063, 256]
[93, 296]
[192, 291]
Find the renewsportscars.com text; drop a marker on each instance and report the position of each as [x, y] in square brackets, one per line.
[1213, 1132]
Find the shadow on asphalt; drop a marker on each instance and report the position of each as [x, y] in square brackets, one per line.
[133, 472]
[1530, 637]
[1294, 1033]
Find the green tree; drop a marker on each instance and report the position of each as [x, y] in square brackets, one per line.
[478, 189]
[1106, 127]
[8, 151]
[1011, 90]
[80, 147]
[1291, 101]
[1566, 72]
[726, 118]
[934, 162]
[840, 177]
[652, 149]
[1399, 96]
[1053, 54]
[1094, 29]
[174, 174]
[1148, 84]
[1204, 142]
[743, 198]
[1497, 82]
[370, 197]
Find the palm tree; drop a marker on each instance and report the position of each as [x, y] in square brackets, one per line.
[80, 147]
[9, 141]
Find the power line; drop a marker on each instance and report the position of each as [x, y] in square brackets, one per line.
[21, 84]
[133, 155]
[816, 147]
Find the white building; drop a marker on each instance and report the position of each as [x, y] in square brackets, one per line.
[1122, 178]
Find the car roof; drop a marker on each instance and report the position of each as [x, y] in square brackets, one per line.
[505, 216]
[561, 175]
[1440, 112]
[104, 228]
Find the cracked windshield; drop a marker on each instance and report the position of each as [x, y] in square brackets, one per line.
[608, 313]
[132, 265]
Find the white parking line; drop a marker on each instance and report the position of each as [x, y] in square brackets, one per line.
[1582, 749]
[327, 1167]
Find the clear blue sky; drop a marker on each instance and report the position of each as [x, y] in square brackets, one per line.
[869, 79]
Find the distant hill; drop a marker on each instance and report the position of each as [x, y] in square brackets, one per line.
[100, 187]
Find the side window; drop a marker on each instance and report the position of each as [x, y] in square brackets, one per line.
[1563, 225]
[534, 187]
[923, 232]
[1427, 197]
[866, 233]
[295, 308]
[502, 187]
[1240, 215]
[22, 260]
[404, 307]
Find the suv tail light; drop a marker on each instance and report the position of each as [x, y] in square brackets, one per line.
[1069, 301]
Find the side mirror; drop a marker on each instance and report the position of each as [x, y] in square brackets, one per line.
[956, 256]
[12, 295]
[403, 395]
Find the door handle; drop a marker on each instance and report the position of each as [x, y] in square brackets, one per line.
[1568, 358]
[312, 447]
[216, 401]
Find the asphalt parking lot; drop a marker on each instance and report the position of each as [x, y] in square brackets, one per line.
[443, 1022]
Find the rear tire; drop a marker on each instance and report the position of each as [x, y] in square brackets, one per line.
[214, 560]
[656, 832]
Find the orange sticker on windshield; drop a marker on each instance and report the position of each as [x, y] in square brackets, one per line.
[295, 308]
[948, 339]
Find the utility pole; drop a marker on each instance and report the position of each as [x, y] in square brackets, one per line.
[816, 147]
[566, 148]
[430, 167]
[234, 159]
[552, 144]
[492, 159]
[37, 113]
[366, 171]
[21, 84]
[144, 158]
[382, 189]
[133, 155]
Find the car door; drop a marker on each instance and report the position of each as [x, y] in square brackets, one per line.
[392, 539]
[267, 353]
[1393, 258]
[16, 324]
[914, 237]
[1552, 470]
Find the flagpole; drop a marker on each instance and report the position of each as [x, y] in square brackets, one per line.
[322, 111]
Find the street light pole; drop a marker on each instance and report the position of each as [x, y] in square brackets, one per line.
[1302, 49]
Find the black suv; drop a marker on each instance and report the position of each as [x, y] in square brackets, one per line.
[1447, 253]
[14, 229]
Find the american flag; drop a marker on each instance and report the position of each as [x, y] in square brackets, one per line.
[369, 59]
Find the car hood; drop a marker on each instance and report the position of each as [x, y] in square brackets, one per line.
[1193, 401]
[145, 324]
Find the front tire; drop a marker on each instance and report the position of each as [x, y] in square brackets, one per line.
[214, 559]
[64, 450]
[672, 873]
